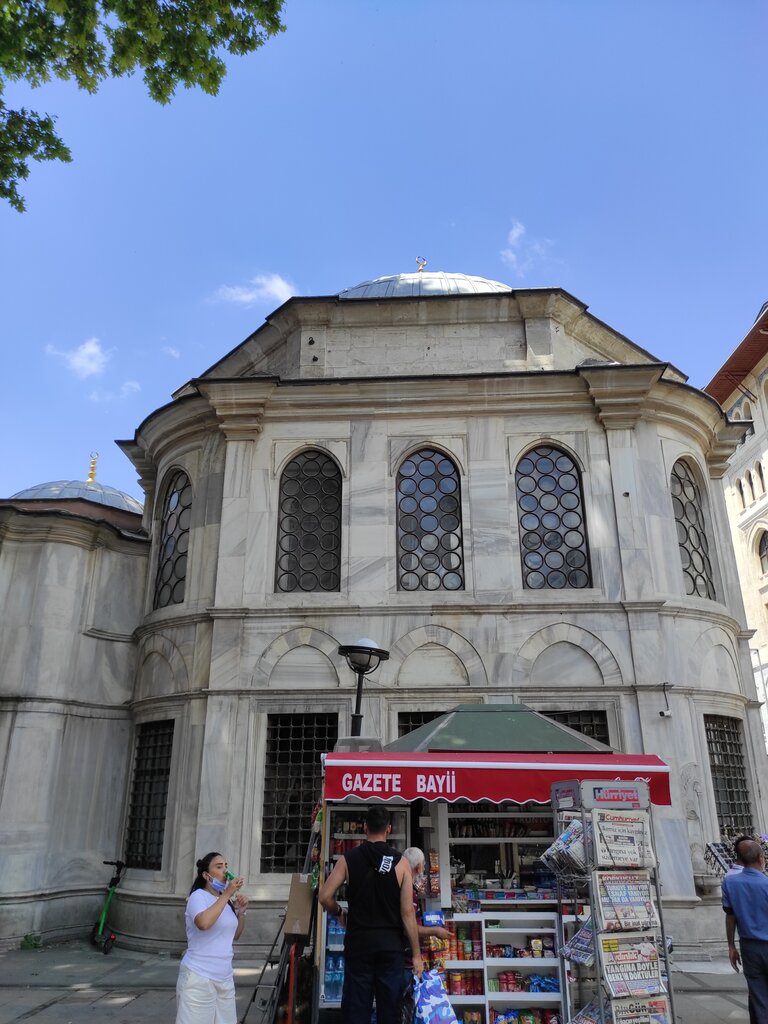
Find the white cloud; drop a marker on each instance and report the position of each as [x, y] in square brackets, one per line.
[522, 253]
[262, 288]
[127, 388]
[87, 360]
[172, 352]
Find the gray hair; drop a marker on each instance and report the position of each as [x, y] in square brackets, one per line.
[415, 857]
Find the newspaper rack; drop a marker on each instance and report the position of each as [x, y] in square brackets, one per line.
[604, 856]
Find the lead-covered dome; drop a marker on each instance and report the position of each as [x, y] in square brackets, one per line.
[421, 283]
[85, 490]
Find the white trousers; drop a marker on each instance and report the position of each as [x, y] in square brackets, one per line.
[201, 1000]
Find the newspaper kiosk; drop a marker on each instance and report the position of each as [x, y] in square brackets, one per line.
[467, 809]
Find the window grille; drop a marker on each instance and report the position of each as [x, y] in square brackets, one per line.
[553, 533]
[430, 548]
[691, 532]
[309, 525]
[292, 779]
[407, 721]
[593, 724]
[763, 551]
[149, 795]
[729, 774]
[174, 542]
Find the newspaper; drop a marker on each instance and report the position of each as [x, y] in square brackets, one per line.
[624, 901]
[567, 854]
[630, 963]
[622, 839]
[647, 1010]
[590, 1014]
[580, 948]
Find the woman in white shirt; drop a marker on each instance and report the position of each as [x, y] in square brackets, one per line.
[215, 917]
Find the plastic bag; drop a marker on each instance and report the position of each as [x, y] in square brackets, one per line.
[432, 1005]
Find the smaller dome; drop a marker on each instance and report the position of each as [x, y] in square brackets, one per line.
[421, 283]
[101, 494]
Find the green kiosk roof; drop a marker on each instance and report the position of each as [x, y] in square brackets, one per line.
[501, 728]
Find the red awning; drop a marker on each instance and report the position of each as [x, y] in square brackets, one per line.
[495, 777]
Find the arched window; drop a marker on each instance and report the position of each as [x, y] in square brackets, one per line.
[430, 549]
[747, 411]
[691, 532]
[751, 485]
[553, 535]
[740, 489]
[763, 552]
[736, 415]
[309, 525]
[174, 542]
[760, 477]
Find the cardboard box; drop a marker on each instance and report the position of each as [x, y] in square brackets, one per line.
[298, 915]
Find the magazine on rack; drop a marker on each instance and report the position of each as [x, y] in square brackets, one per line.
[622, 839]
[646, 1010]
[566, 854]
[590, 1014]
[630, 963]
[580, 948]
[624, 901]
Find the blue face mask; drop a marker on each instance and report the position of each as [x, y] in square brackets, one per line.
[217, 885]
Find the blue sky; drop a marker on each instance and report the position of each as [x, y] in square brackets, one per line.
[617, 149]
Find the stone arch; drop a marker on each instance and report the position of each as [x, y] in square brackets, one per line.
[301, 636]
[567, 633]
[432, 636]
[309, 446]
[714, 654]
[160, 651]
[425, 442]
[554, 442]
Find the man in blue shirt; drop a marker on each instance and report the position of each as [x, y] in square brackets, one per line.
[745, 902]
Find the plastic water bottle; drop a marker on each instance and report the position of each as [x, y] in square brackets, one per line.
[339, 977]
[331, 986]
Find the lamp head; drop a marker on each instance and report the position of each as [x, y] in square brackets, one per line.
[364, 655]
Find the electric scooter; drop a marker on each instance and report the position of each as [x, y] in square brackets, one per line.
[101, 936]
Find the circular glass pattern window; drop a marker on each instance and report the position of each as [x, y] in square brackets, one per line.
[429, 542]
[174, 542]
[550, 510]
[309, 525]
[691, 533]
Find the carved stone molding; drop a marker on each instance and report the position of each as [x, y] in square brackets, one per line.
[620, 392]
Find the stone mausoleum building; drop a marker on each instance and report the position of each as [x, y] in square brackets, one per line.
[511, 497]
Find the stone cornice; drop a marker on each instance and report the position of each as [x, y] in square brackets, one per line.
[50, 526]
[238, 405]
[57, 706]
[168, 431]
[620, 392]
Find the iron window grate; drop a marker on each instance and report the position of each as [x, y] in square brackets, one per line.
[729, 774]
[593, 724]
[292, 779]
[174, 542]
[692, 538]
[149, 795]
[308, 554]
[430, 548]
[553, 532]
[408, 721]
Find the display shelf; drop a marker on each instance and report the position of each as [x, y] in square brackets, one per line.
[501, 815]
[503, 840]
[522, 963]
[464, 965]
[525, 998]
[467, 1000]
[361, 835]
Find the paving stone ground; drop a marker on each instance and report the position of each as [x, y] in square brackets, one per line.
[75, 984]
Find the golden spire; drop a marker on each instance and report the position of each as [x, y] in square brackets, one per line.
[92, 468]
[422, 263]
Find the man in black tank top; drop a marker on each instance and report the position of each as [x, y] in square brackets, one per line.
[380, 912]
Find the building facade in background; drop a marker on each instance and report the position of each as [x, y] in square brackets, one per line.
[508, 495]
[741, 387]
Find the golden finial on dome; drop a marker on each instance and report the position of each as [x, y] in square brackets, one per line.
[422, 263]
[92, 468]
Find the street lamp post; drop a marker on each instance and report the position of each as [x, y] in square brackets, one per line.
[363, 657]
